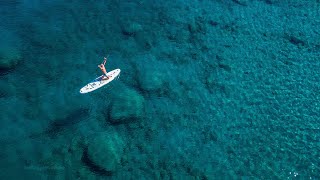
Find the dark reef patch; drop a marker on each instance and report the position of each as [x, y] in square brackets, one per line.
[73, 118]
[92, 166]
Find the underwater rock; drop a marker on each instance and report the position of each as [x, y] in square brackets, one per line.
[295, 40]
[214, 86]
[70, 119]
[9, 57]
[6, 89]
[154, 75]
[127, 105]
[10, 54]
[211, 80]
[130, 29]
[144, 40]
[271, 1]
[104, 152]
[153, 78]
[241, 2]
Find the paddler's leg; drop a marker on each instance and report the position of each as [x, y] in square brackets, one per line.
[105, 77]
[102, 68]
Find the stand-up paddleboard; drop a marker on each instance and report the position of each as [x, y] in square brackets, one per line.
[98, 82]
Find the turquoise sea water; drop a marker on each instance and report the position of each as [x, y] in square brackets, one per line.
[208, 89]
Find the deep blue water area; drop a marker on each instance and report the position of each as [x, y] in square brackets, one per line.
[223, 89]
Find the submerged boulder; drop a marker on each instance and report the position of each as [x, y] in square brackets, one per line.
[127, 105]
[152, 79]
[154, 75]
[6, 89]
[9, 57]
[131, 29]
[105, 151]
[10, 54]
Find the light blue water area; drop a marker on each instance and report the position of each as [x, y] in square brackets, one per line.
[208, 89]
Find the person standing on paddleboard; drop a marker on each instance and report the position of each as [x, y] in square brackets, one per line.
[103, 69]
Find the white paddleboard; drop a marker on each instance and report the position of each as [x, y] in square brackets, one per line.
[98, 82]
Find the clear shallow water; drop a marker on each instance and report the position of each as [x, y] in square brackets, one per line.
[213, 90]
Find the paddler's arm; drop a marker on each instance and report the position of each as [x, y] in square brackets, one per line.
[105, 60]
